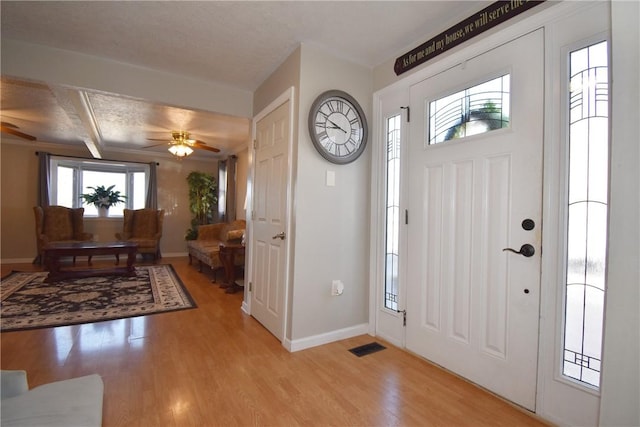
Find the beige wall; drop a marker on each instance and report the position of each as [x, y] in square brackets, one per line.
[284, 77]
[330, 224]
[19, 185]
[19, 171]
[241, 182]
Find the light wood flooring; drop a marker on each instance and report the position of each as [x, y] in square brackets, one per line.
[217, 366]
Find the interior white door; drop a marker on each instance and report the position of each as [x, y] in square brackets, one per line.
[270, 220]
[472, 307]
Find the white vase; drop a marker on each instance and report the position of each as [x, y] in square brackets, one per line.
[103, 212]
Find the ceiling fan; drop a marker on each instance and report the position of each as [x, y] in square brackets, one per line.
[181, 145]
[13, 130]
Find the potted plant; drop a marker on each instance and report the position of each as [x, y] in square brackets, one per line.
[202, 200]
[103, 198]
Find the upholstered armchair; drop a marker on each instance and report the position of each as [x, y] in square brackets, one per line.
[144, 227]
[56, 224]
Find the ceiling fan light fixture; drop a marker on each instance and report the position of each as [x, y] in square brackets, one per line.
[180, 150]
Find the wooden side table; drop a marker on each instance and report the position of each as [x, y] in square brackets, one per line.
[228, 253]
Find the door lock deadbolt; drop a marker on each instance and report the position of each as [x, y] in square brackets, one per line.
[528, 224]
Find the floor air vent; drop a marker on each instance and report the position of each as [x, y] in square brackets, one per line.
[363, 350]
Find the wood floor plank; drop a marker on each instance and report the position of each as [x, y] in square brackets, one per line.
[216, 366]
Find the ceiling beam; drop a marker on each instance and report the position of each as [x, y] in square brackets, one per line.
[82, 105]
[78, 108]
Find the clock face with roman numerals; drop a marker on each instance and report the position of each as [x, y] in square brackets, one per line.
[338, 127]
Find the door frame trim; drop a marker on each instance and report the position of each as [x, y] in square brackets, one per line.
[287, 96]
[521, 25]
[544, 17]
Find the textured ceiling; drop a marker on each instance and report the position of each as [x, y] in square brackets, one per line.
[235, 43]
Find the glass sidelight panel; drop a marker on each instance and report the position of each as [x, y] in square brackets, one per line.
[392, 223]
[587, 213]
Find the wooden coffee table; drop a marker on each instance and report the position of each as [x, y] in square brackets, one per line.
[54, 251]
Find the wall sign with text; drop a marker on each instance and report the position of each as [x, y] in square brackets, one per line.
[487, 18]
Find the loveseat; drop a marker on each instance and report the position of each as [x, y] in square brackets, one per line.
[206, 248]
[72, 402]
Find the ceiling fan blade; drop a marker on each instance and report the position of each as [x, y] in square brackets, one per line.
[206, 147]
[9, 125]
[12, 131]
[201, 144]
[157, 145]
[159, 139]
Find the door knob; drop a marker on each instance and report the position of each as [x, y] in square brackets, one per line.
[280, 236]
[526, 250]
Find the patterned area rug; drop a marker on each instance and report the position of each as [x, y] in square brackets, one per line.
[29, 303]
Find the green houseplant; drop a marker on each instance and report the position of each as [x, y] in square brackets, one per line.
[103, 198]
[202, 200]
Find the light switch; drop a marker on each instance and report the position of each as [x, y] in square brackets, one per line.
[331, 179]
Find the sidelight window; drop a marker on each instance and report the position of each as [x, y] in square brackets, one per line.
[586, 246]
[392, 224]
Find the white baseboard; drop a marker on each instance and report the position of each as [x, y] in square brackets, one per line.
[326, 338]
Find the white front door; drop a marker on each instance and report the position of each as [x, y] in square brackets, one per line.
[269, 223]
[472, 307]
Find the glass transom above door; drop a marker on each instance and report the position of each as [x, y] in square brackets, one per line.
[472, 111]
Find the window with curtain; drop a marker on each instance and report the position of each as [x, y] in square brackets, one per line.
[71, 177]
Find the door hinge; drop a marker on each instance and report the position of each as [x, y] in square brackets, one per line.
[406, 216]
[408, 113]
[404, 316]
[250, 286]
[253, 215]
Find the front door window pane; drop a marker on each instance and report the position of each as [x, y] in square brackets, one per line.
[475, 110]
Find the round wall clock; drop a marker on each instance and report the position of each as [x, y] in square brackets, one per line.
[338, 127]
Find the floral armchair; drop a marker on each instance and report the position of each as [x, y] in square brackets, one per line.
[144, 227]
[58, 224]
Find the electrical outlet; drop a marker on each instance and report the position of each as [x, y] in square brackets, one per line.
[337, 288]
